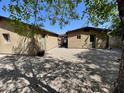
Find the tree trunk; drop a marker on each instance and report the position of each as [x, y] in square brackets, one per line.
[120, 82]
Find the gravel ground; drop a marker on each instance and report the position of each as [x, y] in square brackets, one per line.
[60, 71]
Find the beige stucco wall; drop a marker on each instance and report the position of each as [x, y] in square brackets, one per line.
[21, 44]
[51, 41]
[4, 46]
[17, 45]
[41, 41]
[84, 42]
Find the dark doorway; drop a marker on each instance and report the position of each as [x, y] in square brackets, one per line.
[93, 40]
[63, 41]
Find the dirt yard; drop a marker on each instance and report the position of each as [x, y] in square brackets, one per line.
[60, 71]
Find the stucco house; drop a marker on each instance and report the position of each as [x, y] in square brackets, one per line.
[87, 37]
[14, 41]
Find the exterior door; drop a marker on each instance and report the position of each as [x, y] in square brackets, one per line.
[93, 40]
[43, 42]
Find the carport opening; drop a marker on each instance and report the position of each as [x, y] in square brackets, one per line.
[63, 41]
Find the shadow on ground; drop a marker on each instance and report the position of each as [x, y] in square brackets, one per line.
[102, 67]
[22, 74]
[19, 74]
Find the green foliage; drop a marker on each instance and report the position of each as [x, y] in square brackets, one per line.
[56, 11]
[63, 12]
[101, 11]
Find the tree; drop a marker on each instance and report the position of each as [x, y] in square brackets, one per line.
[120, 83]
[56, 11]
[63, 11]
[118, 27]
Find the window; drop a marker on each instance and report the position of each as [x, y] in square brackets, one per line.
[78, 36]
[7, 37]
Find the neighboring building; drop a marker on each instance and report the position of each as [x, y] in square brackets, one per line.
[14, 41]
[115, 41]
[87, 37]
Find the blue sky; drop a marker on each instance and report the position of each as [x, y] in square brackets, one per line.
[74, 24]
